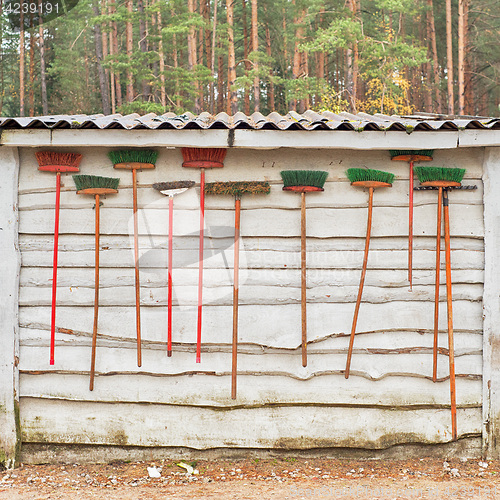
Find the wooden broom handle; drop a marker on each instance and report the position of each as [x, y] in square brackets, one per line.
[451, 349]
[96, 293]
[136, 263]
[54, 270]
[303, 277]
[170, 253]
[200, 264]
[361, 282]
[237, 206]
[436, 292]
[410, 228]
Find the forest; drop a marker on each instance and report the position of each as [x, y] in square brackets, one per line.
[125, 56]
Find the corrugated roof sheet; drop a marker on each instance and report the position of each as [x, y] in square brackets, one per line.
[310, 120]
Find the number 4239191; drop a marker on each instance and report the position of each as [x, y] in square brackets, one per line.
[28, 7]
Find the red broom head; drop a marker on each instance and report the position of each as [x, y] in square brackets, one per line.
[203, 157]
[51, 161]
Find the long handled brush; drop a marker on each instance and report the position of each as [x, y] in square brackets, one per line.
[236, 189]
[170, 189]
[411, 156]
[443, 179]
[370, 179]
[51, 161]
[96, 186]
[135, 159]
[202, 158]
[303, 181]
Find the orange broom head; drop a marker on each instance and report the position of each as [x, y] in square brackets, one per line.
[203, 157]
[52, 161]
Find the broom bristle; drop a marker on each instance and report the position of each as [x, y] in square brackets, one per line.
[314, 178]
[204, 154]
[411, 152]
[368, 174]
[165, 186]
[426, 174]
[133, 156]
[53, 158]
[95, 181]
[238, 188]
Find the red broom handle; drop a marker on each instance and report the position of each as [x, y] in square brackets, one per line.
[136, 263]
[170, 252]
[200, 263]
[410, 228]
[451, 349]
[361, 282]
[96, 293]
[303, 280]
[237, 206]
[54, 270]
[436, 293]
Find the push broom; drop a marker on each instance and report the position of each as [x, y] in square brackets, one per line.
[97, 187]
[371, 179]
[202, 158]
[411, 156]
[170, 189]
[443, 179]
[134, 160]
[303, 181]
[236, 189]
[50, 161]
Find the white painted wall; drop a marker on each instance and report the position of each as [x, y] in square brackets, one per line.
[390, 397]
[10, 263]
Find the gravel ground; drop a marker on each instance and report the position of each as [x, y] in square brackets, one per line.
[282, 478]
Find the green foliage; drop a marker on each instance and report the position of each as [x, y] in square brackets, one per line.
[368, 174]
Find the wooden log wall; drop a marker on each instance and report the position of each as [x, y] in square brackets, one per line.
[389, 398]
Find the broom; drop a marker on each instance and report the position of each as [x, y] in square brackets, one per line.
[237, 189]
[50, 161]
[303, 181]
[411, 156]
[370, 179]
[170, 189]
[96, 186]
[443, 179]
[135, 159]
[202, 158]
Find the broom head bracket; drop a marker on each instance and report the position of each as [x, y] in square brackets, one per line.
[202, 164]
[302, 189]
[370, 184]
[414, 158]
[99, 191]
[59, 168]
[134, 165]
[441, 183]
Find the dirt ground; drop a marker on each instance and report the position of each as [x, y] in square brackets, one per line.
[281, 478]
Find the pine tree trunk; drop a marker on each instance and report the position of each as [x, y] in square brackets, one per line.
[114, 45]
[212, 64]
[21, 60]
[192, 58]
[469, 84]
[161, 55]
[297, 55]
[232, 103]
[270, 96]
[103, 84]
[143, 46]
[130, 48]
[31, 97]
[255, 48]
[461, 57]
[435, 62]
[220, 83]
[41, 48]
[248, 66]
[449, 58]
[105, 49]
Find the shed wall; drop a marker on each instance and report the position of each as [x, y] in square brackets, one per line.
[389, 398]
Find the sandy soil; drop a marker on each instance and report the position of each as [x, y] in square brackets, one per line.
[286, 478]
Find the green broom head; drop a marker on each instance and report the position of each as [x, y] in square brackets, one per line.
[238, 189]
[95, 181]
[368, 174]
[411, 152]
[426, 174]
[313, 178]
[133, 156]
[167, 186]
